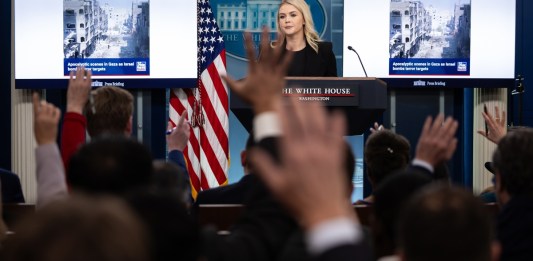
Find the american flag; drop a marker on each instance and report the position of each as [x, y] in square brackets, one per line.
[207, 152]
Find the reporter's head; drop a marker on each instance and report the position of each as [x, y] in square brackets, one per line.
[109, 111]
[110, 165]
[289, 8]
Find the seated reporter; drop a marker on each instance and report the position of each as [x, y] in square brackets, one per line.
[443, 222]
[514, 191]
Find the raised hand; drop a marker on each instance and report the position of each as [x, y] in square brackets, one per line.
[263, 86]
[437, 142]
[496, 125]
[78, 90]
[45, 121]
[179, 136]
[376, 127]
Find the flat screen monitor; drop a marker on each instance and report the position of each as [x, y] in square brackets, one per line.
[126, 43]
[432, 43]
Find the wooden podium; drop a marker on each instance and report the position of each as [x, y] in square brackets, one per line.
[363, 100]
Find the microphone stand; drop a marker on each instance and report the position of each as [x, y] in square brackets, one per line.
[361, 62]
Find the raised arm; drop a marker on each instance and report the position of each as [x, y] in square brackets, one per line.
[51, 184]
[74, 123]
[263, 86]
[319, 203]
[177, 139]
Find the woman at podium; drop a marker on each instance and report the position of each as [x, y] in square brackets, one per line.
[312, 57]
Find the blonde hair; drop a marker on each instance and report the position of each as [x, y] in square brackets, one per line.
[311, 36]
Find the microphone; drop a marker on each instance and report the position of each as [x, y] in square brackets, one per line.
[351, 49]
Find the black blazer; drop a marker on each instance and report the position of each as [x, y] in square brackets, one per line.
[262, 229]
[11, 187]
[514, 228]
[321, 64]
[229, 194]
[265, 228]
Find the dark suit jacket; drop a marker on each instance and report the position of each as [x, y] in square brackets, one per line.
[440, 172]
[348, 252]
[265, 228]
[321, 64]
[11, 188]
[230, 194]
[296, 249]
[515, 229]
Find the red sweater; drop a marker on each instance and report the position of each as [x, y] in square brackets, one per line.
[72, 135]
